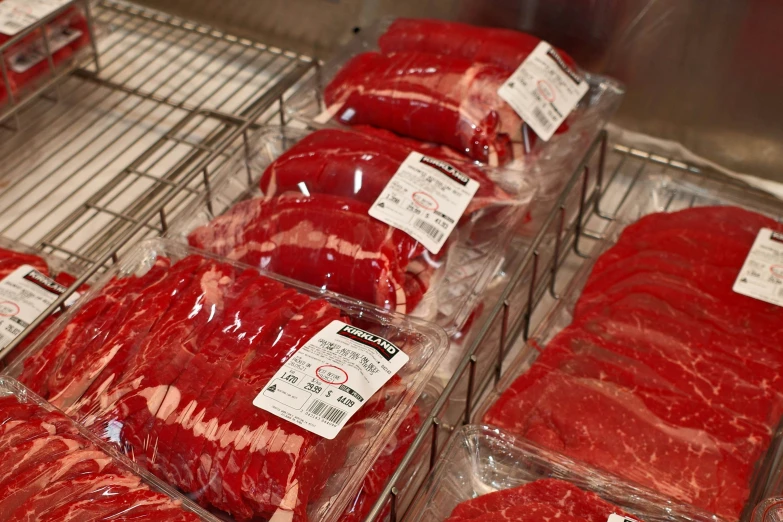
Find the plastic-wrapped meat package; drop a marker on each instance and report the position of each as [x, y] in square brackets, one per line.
[663, 358]
[166, 358]
[54, 470]
[503, 47]
[14, 257]
[485, 474]
[310, 220]
[27, 62]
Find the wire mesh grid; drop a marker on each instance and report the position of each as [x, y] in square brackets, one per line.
[83, 172]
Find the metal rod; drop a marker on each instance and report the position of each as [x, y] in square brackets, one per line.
[469, 399]
[435, 422]
[581, 212]
[531, 290]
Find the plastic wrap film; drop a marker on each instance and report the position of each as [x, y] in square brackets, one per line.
[27, 62]
[769, 510]
[437, 82]
[297, 204]
[54, 469]
[485, 474]
[165, 356]
[14, 255]
[651, 366]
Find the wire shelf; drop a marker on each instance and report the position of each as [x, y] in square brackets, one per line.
[84, 171]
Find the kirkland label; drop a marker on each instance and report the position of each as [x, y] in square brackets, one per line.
[425, 199]
[35, 53]
[543, 90]
[24, 294]
[330, 378]
[618, 518]
[761, 276]
[17, 15]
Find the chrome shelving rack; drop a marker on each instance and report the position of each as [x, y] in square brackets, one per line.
[131, 144]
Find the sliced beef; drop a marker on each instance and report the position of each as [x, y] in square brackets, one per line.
[665, 375]
[58, 474]
[563, 501]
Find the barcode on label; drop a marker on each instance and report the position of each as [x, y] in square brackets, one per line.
[542, 118]
[326, 412]
[429, 229]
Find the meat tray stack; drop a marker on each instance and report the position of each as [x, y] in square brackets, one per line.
[53, 470]
[165, 356]
[665, 376]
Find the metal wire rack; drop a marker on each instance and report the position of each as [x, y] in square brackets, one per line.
[83, 172]
[129, 146]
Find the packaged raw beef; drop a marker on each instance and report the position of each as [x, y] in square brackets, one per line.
[320, 207]
[487, 475]
[27, 58]
[438, 82]
[29, 282]
[660, 367]
[54, 469]
[259, 397]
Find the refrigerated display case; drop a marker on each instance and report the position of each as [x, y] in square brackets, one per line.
[143, 134]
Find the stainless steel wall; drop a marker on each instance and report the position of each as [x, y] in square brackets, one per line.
[707, 73]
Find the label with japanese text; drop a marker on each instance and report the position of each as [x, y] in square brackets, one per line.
[329, 378]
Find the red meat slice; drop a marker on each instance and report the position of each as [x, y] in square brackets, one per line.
[10, 260]
[572, 501]
[162, 357]
[43, 367]
[40, 475]
[445, 100]
[502, 47]
[683, 463]
[92, 357]
[105, 365]
[264, 317]
[322, 240]
[265, 463]
[213, 341]
[359, 165]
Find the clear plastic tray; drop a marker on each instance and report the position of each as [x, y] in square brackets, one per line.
[83, 390]
[650, 194]
[479, 460]
[462, 269]
[561, 154]
[116, 465]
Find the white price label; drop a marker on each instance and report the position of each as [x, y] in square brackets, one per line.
[761, 276]
[543, 90]
[24, 294]
[330, 377]
[17, 15]
[425, 199]
[620, 518]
